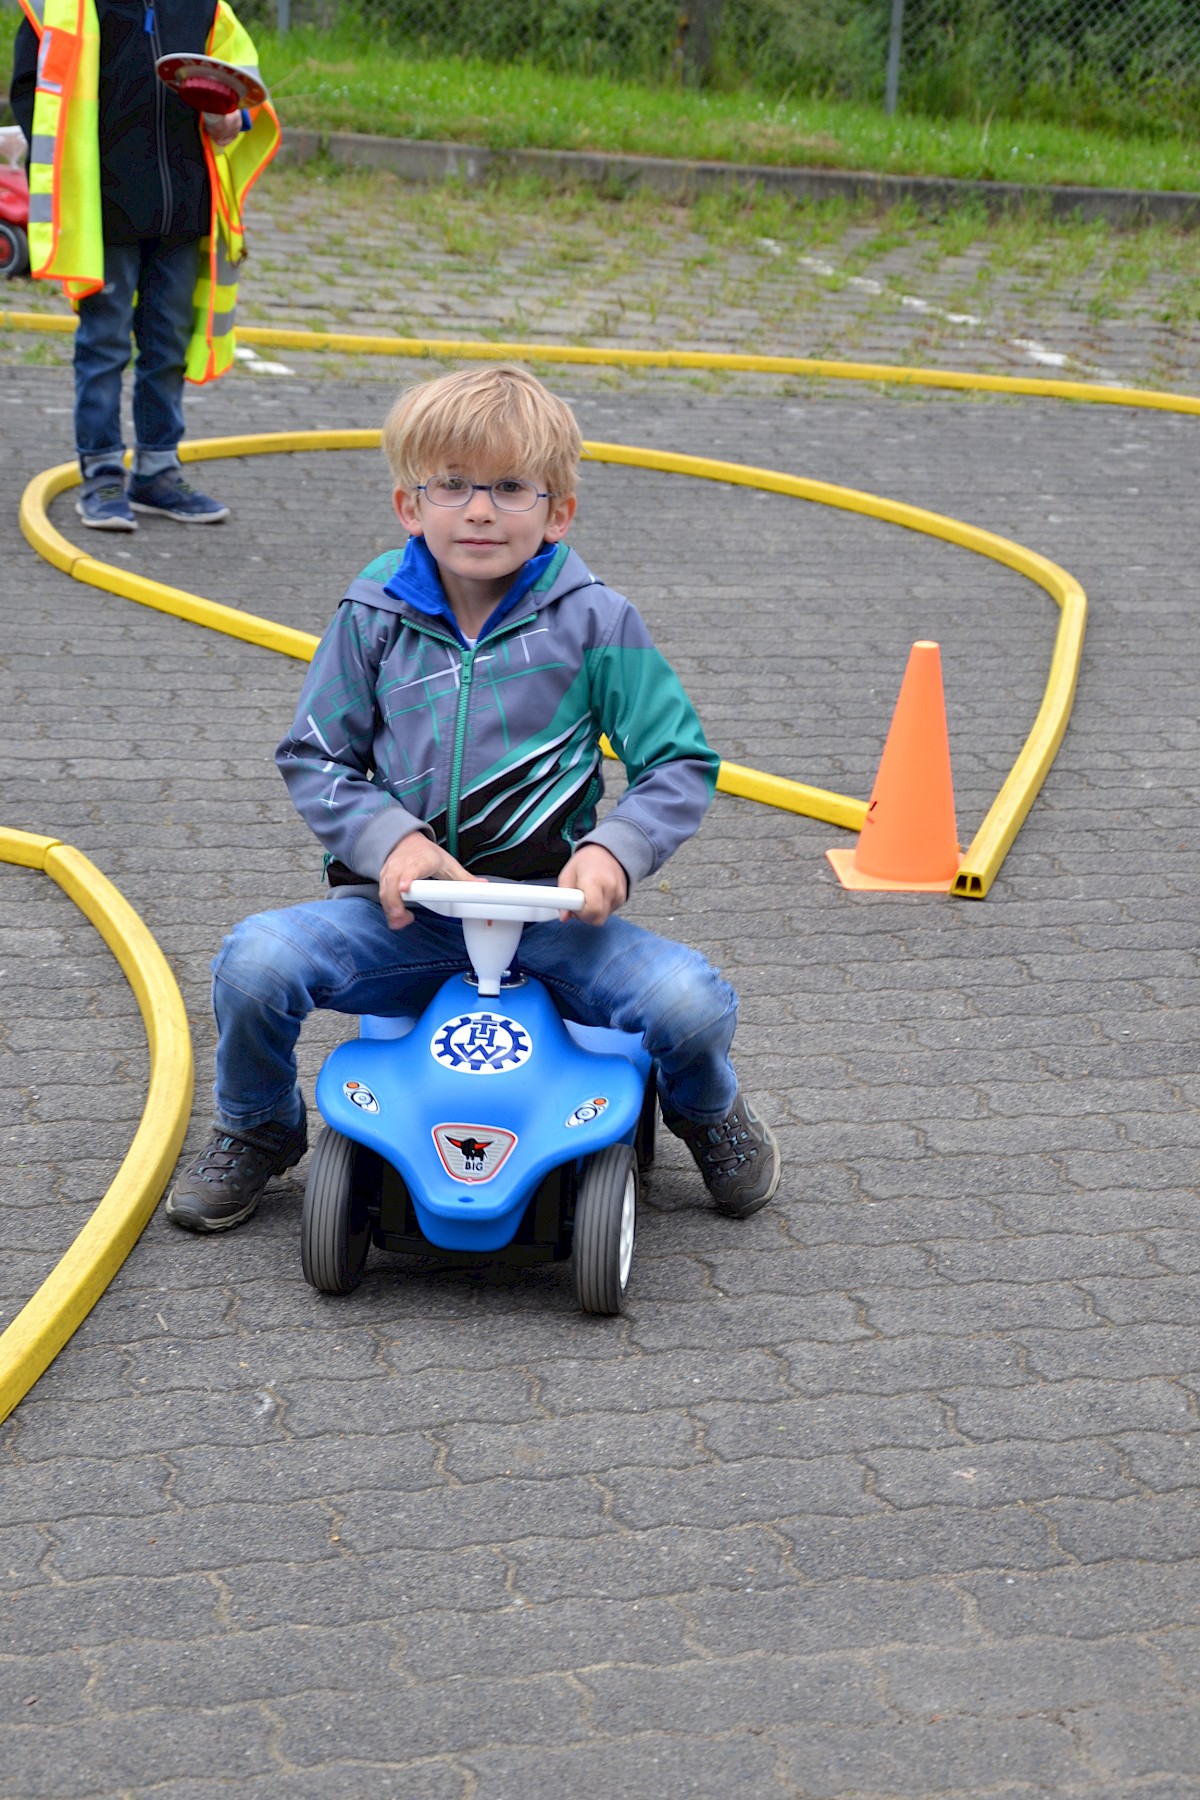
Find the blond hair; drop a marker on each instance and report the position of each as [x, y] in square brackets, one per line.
[494, 418]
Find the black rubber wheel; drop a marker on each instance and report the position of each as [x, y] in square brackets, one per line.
[605, 1228]
[647, 1131]
[14, 249]
[335, 1226]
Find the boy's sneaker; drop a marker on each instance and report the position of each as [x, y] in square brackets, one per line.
[225, 1183]
[170, 495]
[739, 1158]
[104, 506]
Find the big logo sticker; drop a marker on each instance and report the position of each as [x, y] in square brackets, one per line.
[473, 1153]
[481, 1043]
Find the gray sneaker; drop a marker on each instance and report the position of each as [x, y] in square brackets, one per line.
[102, 503]
[168, 494]
[225, 1183]
[739, 1158]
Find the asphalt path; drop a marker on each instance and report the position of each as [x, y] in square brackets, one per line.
[888, 1491]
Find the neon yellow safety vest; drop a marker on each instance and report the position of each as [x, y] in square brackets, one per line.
[66, 242]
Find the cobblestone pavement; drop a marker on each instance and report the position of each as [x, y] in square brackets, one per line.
[886, 1492]
[1023, 296]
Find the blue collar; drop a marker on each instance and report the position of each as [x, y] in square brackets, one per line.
[418, 583]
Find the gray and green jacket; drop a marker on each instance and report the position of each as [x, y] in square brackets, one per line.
[493, 751]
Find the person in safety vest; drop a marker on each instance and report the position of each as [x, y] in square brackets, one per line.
[135, 206]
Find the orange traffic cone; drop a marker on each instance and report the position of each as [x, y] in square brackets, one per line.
[909, 841]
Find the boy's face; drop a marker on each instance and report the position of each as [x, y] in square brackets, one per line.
[478, 546]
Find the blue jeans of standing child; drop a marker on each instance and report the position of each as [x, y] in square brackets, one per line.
[341, 954]
[148, 289]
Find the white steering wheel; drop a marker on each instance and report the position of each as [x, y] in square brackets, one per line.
[499, 900]
[493, 915]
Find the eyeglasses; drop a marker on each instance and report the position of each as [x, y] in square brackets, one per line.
[508, 495]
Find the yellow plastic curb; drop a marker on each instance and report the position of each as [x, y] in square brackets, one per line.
[1005, 816]
[60, 1305]
[1010, 808]
[611, 356]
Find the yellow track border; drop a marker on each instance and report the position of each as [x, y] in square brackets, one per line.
[615, 356]
[1006, 814]
[65, 1298]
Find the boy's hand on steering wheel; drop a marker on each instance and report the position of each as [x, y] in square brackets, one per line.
[601, 878]
[415, 858]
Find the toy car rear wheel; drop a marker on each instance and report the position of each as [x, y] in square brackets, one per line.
[14, 249]
[335, 1226]
[605, 1228]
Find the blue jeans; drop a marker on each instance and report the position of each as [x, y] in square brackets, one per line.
[341, 954]
[148, 289]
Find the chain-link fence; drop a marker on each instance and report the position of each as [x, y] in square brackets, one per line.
[1134, 64]
[1128, 62]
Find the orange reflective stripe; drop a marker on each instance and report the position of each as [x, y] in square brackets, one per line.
[58, 58]
[66, 243]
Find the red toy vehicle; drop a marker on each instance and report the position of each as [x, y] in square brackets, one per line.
[14, 203]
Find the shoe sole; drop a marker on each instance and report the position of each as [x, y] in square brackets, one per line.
[106, 524]
[162, 512]
[196, 1222]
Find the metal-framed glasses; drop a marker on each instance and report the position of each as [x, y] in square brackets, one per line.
[510, 494]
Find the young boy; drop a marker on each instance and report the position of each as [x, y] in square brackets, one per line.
[449, 727]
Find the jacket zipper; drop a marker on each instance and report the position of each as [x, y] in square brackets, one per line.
[150, 25]
[460, 719]
[460, 738]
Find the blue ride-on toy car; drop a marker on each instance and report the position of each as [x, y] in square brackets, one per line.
[487, 1123]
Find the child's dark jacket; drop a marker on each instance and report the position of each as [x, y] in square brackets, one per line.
[493, 751]
[153, 177]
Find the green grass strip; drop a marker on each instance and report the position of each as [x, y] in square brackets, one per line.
[342, 81]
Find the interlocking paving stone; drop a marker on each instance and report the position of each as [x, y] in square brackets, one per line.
[1116, 1737]
[890, 1489]
[944, 1755]
[116, 1753]
[1063, 1677]
[659, 1762]
[111, 1611]
[986, 1476]
[266, 1665]
[1159, 1529]
[431, 1718]
[1100, 1601]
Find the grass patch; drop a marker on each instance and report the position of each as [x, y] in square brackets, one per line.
[341, 80]
[644, 257]
[328, 82]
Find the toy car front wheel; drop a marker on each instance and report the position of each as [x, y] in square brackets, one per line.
[605, 1227]
[14, 250]
[335, 1226]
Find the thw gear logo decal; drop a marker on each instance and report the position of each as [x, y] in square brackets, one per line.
[473, 1153]
[481, 1043]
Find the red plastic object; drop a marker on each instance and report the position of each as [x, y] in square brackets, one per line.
[14, 197]
[203, 94]
[208, 83]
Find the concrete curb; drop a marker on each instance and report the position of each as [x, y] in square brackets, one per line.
[420, 160]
